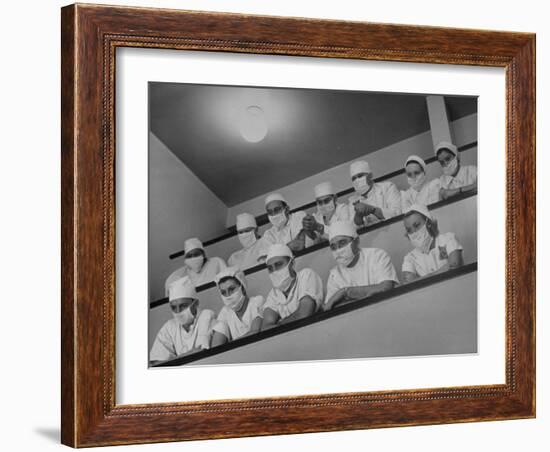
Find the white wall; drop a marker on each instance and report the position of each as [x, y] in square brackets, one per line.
[174, 191]
[383, 161]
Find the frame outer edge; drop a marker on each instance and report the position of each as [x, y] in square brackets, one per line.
[68, 242]
[86, 419]
[524, 63]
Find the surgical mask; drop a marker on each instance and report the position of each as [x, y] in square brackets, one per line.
[184, 317]
[326, 209]
[361, 185]
[235, 300]
[247, 239]
[344, 256]
[281, 279]
[278, 220]
[195, 263]
[418, 181]
[421, 239]
[450, 169]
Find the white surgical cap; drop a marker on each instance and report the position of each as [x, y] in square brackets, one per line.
[323, 189]
[246, 220]
[278, 250]
[345, 228]
[192, 244]
[274, 197]
[231, 272]
[182, 288]
[446, 145]
[416, 159]
[421, 209]
[360, 166]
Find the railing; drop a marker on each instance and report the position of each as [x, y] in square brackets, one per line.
[262, 219]
[324, 244]
[322, 316]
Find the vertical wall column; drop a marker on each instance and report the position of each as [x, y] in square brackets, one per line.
[439, 119]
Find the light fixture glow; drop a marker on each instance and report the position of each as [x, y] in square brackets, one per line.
[253, 126]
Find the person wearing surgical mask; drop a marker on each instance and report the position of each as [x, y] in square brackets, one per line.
[359, 272]
[433, 251]
[286, 228]
[295, 295]
[190, 328]
[241, 314]
[372, 201]
[328, 211]
[420, 189]
[197, 266]
[456, 178]
[254, 248]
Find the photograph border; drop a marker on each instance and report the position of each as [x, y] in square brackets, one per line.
[90, 35]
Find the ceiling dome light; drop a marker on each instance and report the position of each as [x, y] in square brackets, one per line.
[253, 126]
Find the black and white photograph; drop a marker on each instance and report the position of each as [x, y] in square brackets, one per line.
[290, 224]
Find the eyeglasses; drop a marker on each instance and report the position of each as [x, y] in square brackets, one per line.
[245, 230]
[230, 289]
[324, 201]
[446, 158]
[180, 306]
[341, 243]
[358, 176]
[277, 265]
[413, 173]
[275, 210]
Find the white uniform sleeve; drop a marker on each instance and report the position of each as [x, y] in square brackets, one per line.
[408, 264]
[433, 191]
[256, 307]
[384, 269]
[310, 284]
[392, 201]
[163, 348]
[204, 328]
[472, 175]
[232, 261]
[451, 243]
[270, 302]
[405, 200]
[221, 264]
[174, 276]
[221, 325]
[296, 223]
[268, 238]
[343, 213]
[332, 285]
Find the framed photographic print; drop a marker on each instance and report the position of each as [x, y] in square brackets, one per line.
[316, 225]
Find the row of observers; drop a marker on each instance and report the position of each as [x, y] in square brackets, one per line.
[295, 294]
[371, 202]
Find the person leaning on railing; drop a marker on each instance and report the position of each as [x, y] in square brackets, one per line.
[286, 228]
[360, 272]
[433, 252]
[421, 190]
[373, 201]
[241, 314]
[456, 178]
[198, 267]
[329, 210]
[295, 295]
[254, 247]
[189, 330]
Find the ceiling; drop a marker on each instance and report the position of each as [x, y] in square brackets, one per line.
[306, 131]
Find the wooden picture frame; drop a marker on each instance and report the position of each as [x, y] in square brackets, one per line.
[90, 36]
